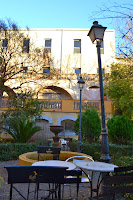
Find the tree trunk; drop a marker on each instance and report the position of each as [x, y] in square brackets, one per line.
[1, 95]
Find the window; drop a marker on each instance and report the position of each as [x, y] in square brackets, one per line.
[46, 70]
[77, 46]
[5, 43]
[52, 95]
[26, 44]
[78, 71]
[25, 69]
[47, 48]
[103, 70]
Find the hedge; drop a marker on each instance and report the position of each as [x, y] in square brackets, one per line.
[12, 151]
[120, 154]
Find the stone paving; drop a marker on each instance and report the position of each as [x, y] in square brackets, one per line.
[5, 188]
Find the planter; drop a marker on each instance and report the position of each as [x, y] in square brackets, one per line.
[32, 157]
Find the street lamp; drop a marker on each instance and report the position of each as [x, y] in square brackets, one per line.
[96, 33]
[81, 85]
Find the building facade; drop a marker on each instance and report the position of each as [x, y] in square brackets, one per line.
[67, 54]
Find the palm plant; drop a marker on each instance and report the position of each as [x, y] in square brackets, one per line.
[21, 128]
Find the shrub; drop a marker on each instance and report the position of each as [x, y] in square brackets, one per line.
[90, 125]
[21, 128]
[121, 155]
[12, 151]
[120, 130]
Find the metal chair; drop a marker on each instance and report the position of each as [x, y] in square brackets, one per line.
[37, 175]
[121, 182]
[48, 150]
[76, 174]
[86, 176]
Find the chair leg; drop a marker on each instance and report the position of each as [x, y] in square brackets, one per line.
[59, 191]
[11, 192]
[28, 191]
[70, 190]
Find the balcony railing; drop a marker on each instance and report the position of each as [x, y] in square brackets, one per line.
[85, 105]
[52, 105]
[66, 105]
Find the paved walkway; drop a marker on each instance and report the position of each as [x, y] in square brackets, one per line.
[5, 188]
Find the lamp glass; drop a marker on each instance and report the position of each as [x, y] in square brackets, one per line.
[99, 32]
[81, 83]
[96, 32]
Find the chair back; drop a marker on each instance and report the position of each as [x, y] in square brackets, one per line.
[34, 174]
[120, 182]
[73, 176]
[75, 159]
[48, 150]
[86, 174]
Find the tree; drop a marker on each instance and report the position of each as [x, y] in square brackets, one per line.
[119, 87]
[21, 117]
[120, 130]
[26, 103]
[21, 62]
[90, 125]
[21, 128]
[120, 16]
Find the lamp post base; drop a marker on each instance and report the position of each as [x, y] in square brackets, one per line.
[105, 158]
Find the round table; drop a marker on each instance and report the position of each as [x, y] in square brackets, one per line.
[55, 163]
[96, 166]
[99, 170]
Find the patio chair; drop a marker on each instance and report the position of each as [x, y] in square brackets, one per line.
[113, 186]
[37, 175]
[86, 176]
[72, 177]
[48, 150]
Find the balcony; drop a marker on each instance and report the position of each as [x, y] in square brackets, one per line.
[71, 106]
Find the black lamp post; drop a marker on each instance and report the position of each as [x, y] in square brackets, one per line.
[96, 33]
[81, 85]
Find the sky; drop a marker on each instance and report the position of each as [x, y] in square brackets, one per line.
[55, 13]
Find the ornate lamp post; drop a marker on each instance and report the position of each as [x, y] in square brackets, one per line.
[96, 33]
[81, 85]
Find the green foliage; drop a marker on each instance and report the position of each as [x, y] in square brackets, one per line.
[25, 103]
[120, 130]
[121, 155]
[12, 151]
[90, 125]
[119, 88]
[22, 109]
[20, 128]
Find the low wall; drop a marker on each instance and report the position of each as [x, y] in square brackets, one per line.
[32, 157]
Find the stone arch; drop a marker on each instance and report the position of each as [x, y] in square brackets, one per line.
[92, 93]
[58, 92]
[49, 119]
[65, 118]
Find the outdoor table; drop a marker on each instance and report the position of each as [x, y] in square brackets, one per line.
[99, 169]
[55, 163]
